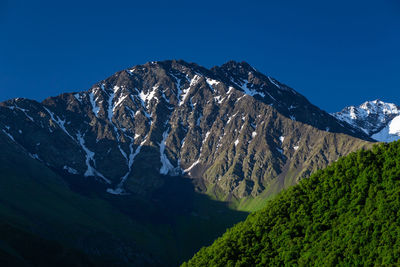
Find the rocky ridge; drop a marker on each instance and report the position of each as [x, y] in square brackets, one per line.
[233, 130]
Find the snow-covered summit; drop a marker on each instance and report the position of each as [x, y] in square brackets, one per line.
[378, 119]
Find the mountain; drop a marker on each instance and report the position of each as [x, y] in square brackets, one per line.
[380, 120]
[231, 128]
[346, 214]
[160, 149]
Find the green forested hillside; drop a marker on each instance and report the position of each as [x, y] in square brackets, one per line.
[347, 214]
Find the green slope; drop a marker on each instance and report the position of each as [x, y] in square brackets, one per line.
[38, 202]
[20, 248]
[347, 214]
[102, 230]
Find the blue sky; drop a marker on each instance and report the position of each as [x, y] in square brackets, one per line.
[336, 53]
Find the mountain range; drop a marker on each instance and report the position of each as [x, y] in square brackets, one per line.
[231, 128]
[164, 148]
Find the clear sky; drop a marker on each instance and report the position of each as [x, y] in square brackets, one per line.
[336, 53]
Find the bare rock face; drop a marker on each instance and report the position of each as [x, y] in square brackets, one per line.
[233, 130]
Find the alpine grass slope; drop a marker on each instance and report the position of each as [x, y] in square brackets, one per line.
[347, 214]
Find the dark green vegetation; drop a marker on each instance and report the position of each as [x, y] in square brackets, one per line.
[347, 214]
[44, 223]
[19, 248]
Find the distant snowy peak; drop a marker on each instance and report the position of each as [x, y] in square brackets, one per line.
[390, 133]
[378, 106]
[378, 119]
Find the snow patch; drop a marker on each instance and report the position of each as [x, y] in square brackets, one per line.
[110, 111]
[91, 171]
[116, 88]
[390, 133]
[166, 167]
[60, 123]
[116, 191]
[145, 114]
[206, 136]
[25, 112]
[230, 90]
[9, 135]
[183, 142]
[95, 108]
[185, 92]
[146, 98]
[191, 166]
[394, 126]
[231, 117]
[273, 82]
[165, 98]
[166, 164]
[211, 83]
[120, 100]
[123, 152]
[195, 80]
[236, 142]
[70, 170]
[78, 97]
[178, 86]
[119, 190]
[199, 119]
[250, 91]
[218, 99]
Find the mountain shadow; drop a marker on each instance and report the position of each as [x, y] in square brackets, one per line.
[163, 228]
[183, 219]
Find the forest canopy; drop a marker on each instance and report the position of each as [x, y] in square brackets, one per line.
[346, 214]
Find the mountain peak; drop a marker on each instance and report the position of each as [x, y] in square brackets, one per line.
[378, 106]
[180, 115]
[376, 118]
[231, 64]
